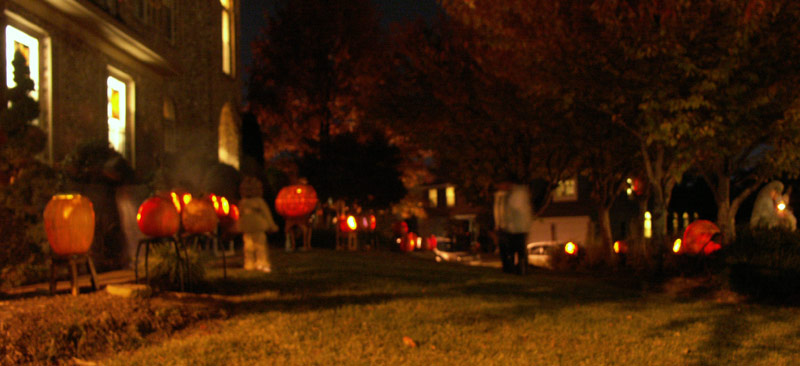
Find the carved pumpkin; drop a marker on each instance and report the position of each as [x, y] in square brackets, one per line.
[69, 224]
[296, 201]
[157, 217]
[199, 217]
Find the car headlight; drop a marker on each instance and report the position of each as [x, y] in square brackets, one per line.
[570, 248]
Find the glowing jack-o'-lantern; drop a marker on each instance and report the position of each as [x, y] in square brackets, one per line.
[69, 224]
[620, 247]
[157, 217]
[296, 201]
[198, 216]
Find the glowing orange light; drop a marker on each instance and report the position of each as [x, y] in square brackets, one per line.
[372, 222]
[616, 247]
[299, 191]
[139, 216]
[351, 222]
[175, 201]
[235, 213]
[677, 246]
[781, 206]
[215, 202]
[571, 248]
[187, 197]
[226, 208]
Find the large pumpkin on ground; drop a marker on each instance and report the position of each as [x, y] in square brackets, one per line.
[157, 217]
[296, 201]
[199, 217]
[69, 224]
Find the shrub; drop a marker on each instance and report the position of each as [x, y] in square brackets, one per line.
[765, 263]
[165, 271]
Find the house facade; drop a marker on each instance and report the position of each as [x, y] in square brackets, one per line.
[153, 77]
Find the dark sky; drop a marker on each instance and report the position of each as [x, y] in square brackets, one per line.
[389, 10]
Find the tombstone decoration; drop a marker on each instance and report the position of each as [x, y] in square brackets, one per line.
[771, 208]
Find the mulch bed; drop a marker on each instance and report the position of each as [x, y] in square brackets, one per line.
[55, 330]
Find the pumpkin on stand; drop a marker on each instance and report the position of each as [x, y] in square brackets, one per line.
[158, 217]
[295, 203]
[69, 224]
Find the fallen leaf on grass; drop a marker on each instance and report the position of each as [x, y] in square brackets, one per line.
[409, 342]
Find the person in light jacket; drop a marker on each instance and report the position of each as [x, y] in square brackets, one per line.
[255, 219]
[513, 215]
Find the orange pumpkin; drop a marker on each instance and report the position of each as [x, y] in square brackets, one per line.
[199, 217]
[69, 224]
[157, 217]
[296, 201]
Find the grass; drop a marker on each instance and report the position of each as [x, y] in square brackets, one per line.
[341, 308]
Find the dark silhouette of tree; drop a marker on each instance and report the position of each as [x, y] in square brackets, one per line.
[314, 64]
[365, 171]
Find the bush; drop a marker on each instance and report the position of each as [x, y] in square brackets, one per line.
[765, 264]
[164, 270]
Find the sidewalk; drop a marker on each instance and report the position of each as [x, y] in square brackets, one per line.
[64, 286]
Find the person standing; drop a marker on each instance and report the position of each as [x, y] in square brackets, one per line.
[513, 215]
[255, 219]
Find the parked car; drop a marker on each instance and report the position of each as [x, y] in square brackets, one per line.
[448, 250]
[555, 254]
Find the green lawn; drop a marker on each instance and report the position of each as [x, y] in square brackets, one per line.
[342, 308]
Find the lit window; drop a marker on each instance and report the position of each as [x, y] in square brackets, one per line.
[648, 225]
[227, 37]
[17, 40]
[433, 197]
[117, 110]
[566, 190]
[450, 194]
[228, 151]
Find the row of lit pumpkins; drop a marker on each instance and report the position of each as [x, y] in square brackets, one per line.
[69, 218]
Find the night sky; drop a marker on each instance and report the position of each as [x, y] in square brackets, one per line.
[390, 11]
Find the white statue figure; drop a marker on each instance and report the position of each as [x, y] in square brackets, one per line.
[255, 220]
[772, 209]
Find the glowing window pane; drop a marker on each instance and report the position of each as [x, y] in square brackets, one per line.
[29, 46]
[116, 113]
[450, 194]
[433, 197]
[566, 190]
[226, 42]
[225, 3]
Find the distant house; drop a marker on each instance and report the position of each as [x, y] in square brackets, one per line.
[568, 216]
[446, 212]
[151, 76]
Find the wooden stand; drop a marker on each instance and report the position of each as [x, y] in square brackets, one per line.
[305, 230]
[206, 241]
[183, 262]
[73, 261]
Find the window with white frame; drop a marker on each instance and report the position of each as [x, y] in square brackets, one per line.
[33, 44]
[227, 37]
[120, 105]
[17, 40]
[567, 190]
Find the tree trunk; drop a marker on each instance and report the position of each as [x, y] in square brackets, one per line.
[605, 231]
[726, 216]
